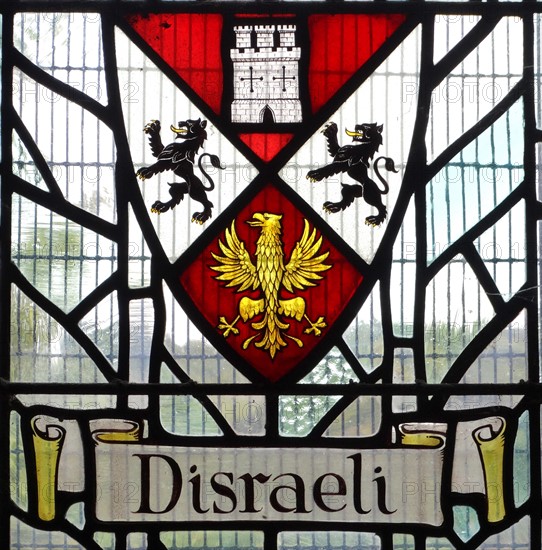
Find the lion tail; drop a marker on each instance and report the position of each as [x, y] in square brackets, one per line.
[389, 165]
[215, 162]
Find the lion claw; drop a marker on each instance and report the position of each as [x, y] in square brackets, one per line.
[200, 217]
[160, 207]
[143, 173]
[152, 126]
[373, 221]
[329, 127]
[331, 207]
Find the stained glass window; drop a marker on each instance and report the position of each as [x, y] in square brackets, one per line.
[270, 275]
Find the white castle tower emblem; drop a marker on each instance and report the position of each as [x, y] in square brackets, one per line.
[265, 74]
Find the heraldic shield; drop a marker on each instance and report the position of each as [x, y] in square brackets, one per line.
[271, 286]
[270, 281]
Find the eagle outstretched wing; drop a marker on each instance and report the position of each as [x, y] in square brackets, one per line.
[304, 266]
[236, 266]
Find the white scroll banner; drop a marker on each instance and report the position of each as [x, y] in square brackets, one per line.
[141, 482]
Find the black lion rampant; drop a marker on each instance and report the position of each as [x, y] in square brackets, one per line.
[180, 157]
[355, 159]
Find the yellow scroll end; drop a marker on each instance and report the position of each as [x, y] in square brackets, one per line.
[490, 443]
[47, 447]
[131, 431]
[410, 436]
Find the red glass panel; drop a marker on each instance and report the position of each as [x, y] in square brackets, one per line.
[326, 300]
[340, 45]
[190, 44]
[266, 146]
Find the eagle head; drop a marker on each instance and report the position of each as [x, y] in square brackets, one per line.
[266, 220]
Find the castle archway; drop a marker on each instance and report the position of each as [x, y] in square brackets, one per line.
[267, 116]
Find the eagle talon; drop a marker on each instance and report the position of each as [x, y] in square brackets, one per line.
[316, 326]
[228, 327]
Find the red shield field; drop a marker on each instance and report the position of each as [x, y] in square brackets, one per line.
[323, 303]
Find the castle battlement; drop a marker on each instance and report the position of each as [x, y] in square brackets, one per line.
[287, 35]
[263, 54]
[243, 28]
[265, 75]
[264, 28]
[265, 36]
[289, 52]
[243, 37]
